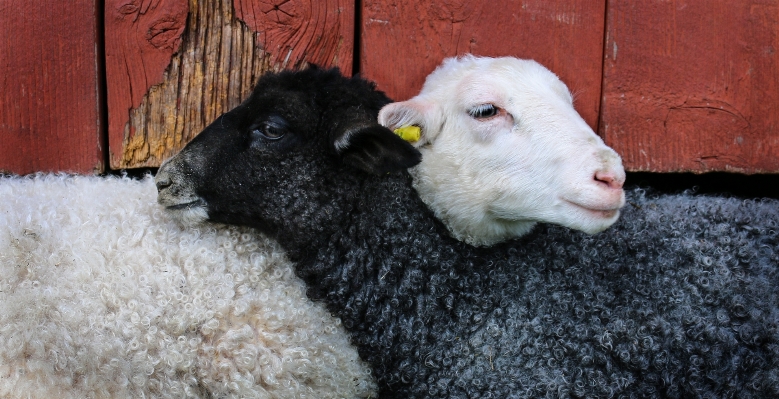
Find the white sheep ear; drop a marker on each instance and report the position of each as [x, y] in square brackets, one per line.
[413, 112]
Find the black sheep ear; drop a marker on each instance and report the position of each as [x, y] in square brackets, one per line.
[375, 149]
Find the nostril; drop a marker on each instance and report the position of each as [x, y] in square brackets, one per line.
[163, 184]
[609, 179]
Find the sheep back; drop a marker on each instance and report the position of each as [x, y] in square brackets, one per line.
[102, 295]
[678, 299]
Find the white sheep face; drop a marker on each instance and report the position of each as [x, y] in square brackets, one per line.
[503, 148]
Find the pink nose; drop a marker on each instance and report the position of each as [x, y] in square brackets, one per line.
[610, 179]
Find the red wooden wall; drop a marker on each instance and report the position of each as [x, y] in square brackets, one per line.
[50, 117]
[693, 85]
[671, 85]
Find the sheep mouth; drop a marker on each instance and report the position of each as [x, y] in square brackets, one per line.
[599, 212]
[186, 205]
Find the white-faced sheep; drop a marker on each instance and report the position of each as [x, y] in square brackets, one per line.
[102, 295]
[504, 148]
[677, 299]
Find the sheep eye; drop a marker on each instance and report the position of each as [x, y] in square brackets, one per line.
[483, 111]
[270, 129]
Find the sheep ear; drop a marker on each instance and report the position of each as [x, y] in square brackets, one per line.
[413, 112]
[375, 149]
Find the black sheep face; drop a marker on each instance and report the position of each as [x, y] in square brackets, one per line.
[291, 155]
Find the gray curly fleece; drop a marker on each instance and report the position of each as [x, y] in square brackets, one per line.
[678, 299]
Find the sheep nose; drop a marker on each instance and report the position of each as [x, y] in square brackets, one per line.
[161, 185]
[162, 180]
[610, 179]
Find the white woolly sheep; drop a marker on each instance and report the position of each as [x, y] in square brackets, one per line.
[677, 299]
[102, 295]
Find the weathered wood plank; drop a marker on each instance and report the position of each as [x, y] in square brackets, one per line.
[140, 36]
[49, 88]
[205, 62]
[302, 31]
[693, 86]
[403, 40]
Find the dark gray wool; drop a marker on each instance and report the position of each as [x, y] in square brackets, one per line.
[677, 300]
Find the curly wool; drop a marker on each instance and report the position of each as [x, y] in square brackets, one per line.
[677, 300]
[102, 295]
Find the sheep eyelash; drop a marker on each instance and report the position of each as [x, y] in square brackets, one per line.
[484, 111]
[270, 129]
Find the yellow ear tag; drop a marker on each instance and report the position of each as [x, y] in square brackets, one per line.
[409, 133]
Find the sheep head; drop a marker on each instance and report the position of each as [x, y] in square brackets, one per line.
[504, 148]
[265, 163]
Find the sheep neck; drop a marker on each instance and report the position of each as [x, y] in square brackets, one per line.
[380, 209]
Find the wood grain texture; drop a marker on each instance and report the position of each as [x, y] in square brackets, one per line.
[302, 31]
[49, 87]
[208, 68]
[693, 85]
[141, 36]
[404, 40]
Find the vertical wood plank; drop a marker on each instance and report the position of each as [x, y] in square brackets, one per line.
[404, 40]
[141, 36]
[206, 61]
[692, 86]
[302, 31]
[49, 87]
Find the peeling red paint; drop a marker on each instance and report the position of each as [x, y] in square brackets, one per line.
[298, 31]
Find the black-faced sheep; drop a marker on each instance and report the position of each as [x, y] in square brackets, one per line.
[677, 299]
[103, 295]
